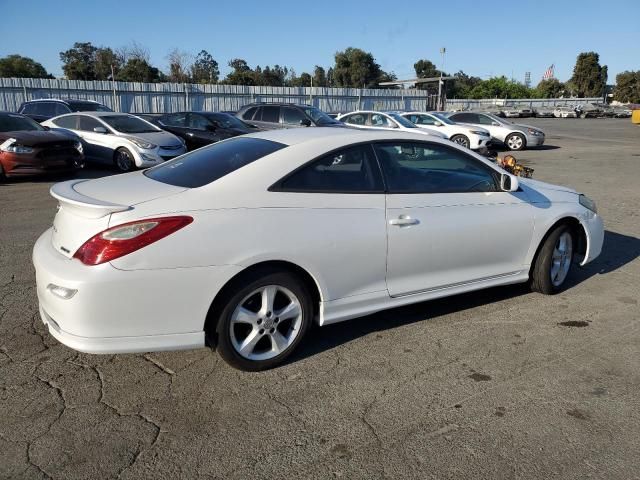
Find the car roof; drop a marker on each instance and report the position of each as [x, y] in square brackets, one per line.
[293, 136]
[63, 100]
[99, 114]
[276, 104]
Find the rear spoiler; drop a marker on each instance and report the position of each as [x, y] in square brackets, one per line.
[83, 205]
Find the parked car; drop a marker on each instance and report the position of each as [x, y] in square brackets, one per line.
[269, 116]
[27, 148]
[244, 243]
[198, 129]
[46, 108]
[513, 135]
[565, 112]
[475, 138]
[544, 112]
[385, 121]
[120, 139]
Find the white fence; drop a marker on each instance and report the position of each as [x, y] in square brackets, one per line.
[172, 97]
[536, 103]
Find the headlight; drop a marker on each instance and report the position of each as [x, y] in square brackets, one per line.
[587, 203]
[15, 148]
[142, 143]
[534, 132]
[78, 146]
[478, 132]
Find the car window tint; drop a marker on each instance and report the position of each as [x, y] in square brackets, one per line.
[356, 119]
[197, 121]
[484, 120]
[464, 118]
[61, 109]
[29, 108]
[70, 121]
[379, 120]
[210, 163]
[292, 116]
[424, 120]
[432, 168]
[46, 109]
[87, 124]
[350, 170]
[271, 114]
[248, 115]
[174, 120]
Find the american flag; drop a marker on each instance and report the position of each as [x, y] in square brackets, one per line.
[548, 73]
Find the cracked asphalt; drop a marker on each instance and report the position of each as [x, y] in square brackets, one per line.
[496, 384]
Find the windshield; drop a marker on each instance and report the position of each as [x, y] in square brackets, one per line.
[319, 117]
[442, 118]
[402, 121]
[17, 123]
[225, 120]
[88, 107]
[128, 124]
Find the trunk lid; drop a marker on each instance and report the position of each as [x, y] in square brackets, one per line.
[85, 206]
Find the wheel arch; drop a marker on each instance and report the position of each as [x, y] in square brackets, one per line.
[579, 230]
[264, 267]
[518, 132]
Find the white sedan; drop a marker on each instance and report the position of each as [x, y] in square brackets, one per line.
[120, 139]
[385, 121]
[244, 243]
[475, 138]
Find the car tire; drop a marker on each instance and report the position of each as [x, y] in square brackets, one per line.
[553, 262]
[515, 142]
[461, 140]
[3, 177]
[123, 160]
[251, 336]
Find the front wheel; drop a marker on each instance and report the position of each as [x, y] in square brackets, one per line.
[462, 140]
[515, 141]
[553, 263]
[264, 321]
[123, 160]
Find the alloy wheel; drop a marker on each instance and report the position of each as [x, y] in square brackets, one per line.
[514, 142]
[561, 259]
[124, 161]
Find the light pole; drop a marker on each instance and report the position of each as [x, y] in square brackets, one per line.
[443, 50]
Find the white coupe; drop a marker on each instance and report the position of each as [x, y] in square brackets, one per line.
[244, 243]
[475, 138]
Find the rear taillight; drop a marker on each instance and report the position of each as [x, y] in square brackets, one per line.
[123, 239]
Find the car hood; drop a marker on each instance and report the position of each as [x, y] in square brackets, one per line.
[36, 137]
[162, 138]
[426, 131]
[541, 191]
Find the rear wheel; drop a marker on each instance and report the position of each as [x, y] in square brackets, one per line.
[123, 160]
[462, 140]
[263, 321]
[515, 141]
[553, 263]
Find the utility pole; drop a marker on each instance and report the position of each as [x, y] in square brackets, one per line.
[443, 50]
[113, 84]
[311, 93]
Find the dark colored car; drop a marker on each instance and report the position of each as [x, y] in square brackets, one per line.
[46, 108]
[201, 128]
[270, 116]
[28, 148]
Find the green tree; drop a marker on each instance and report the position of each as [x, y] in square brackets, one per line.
[205, 68]
[356, 68]
[319, 77]
[104, 59]
[17, 66]
[241, 73]
[79, 63]
[462, 85]
[500, 87]
[551, 88]
[627, 87]
[304, 80]
[589, 77]
[427, 69]
[139, 70]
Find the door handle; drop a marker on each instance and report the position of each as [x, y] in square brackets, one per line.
[403, 221]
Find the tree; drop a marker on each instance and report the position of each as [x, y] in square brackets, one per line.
[139, 70]
[462, 85]
[627, 87]
[319, 77]
[357, 68]
[179, 66]
[551, 88]
[205, 69]
[427, 69]
[500, 87]
[105, 58]
[241, 73]
[17, 66]
[304, 80]
[79, 63]
[589, 78]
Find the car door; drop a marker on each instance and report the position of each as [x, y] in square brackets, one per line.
[268, 117]
[497, 131]
[447, 221]
[358, 120]
[98, 146]
[293, 118]
[381, 122]
[176, 123]
[201, 130]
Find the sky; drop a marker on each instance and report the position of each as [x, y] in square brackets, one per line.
[482, 37]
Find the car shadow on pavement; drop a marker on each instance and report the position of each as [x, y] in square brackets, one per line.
[618, 251]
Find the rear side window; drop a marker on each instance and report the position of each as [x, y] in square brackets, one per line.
[208, 164]
[271, 114]
[29, 108]
[46, 109]
[70, 121]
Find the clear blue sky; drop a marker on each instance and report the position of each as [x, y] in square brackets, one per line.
[482, 37]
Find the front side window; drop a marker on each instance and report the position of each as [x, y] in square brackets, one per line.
[174, 120]
[356, 119]
[128, 124]
[210, 163]
[485, 120]
[412, 167]
[46, 109]
[465, 117]
[292, 116]
[248, 115]
[378, 120]
[423, 120]
[349, 170]
[87, 124]
[70, 121]
[198, 122]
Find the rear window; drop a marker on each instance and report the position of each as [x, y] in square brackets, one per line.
[208, 164]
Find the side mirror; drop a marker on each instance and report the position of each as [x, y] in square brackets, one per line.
[495, 124]
[305, 122]
[509, 183]
[437, 124]
[100, 130]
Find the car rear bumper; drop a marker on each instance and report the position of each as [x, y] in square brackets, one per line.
[116, 311]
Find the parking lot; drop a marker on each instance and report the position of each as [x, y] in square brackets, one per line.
[496, 384]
